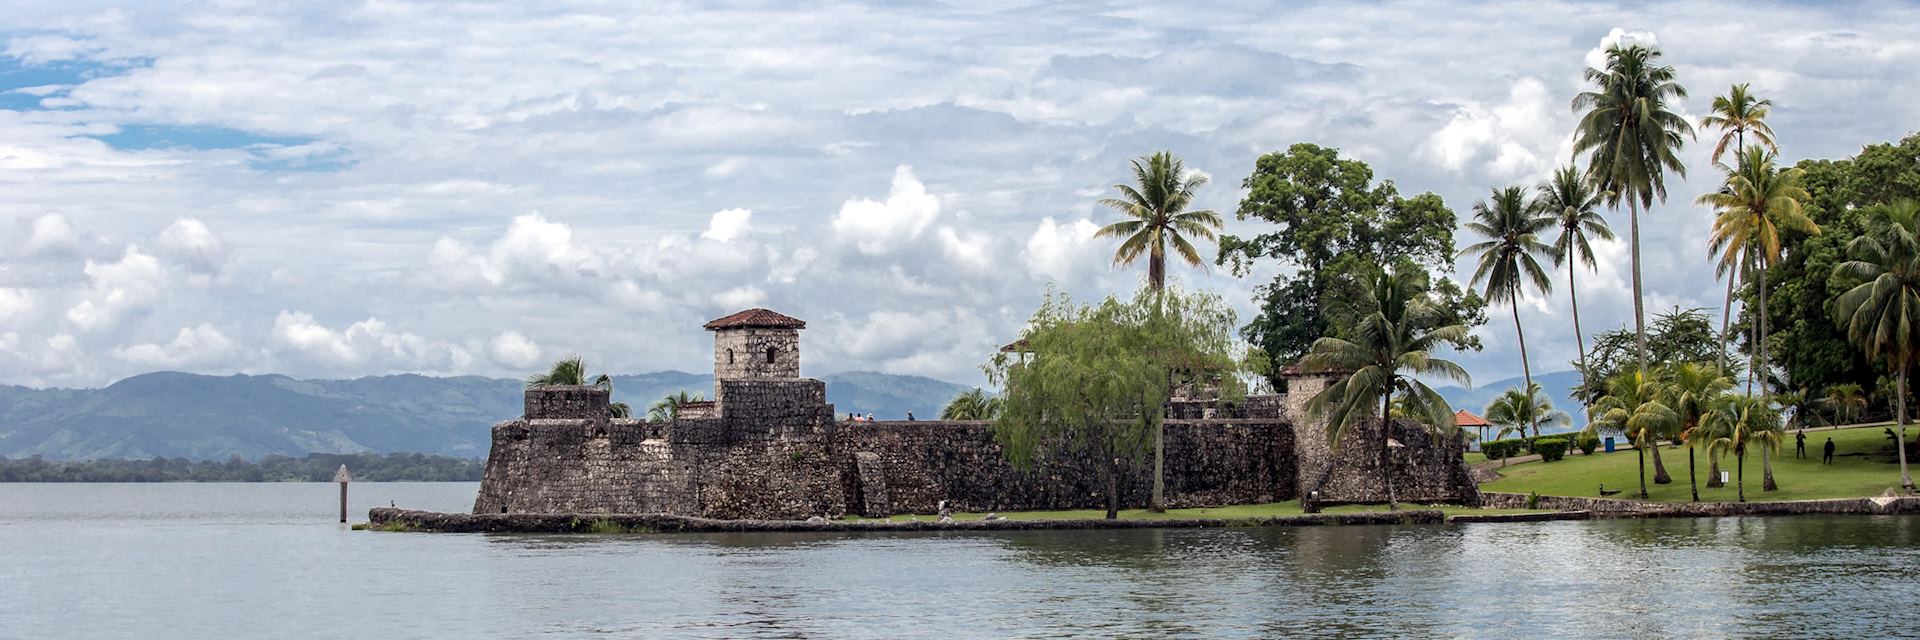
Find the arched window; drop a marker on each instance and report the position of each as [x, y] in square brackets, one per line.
[729, 356]
[770, 352]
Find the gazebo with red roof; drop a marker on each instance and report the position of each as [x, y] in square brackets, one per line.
[1465, 418]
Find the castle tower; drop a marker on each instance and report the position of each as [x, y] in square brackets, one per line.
[756, 344]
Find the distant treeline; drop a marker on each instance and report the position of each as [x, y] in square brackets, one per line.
[315, 467]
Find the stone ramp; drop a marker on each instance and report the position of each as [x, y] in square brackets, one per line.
[387, 518]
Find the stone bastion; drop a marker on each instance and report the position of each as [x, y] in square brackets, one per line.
[770, 447]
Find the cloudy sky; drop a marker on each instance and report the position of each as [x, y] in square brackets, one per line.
[336, 189]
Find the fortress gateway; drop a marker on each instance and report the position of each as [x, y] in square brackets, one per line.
[769, 446]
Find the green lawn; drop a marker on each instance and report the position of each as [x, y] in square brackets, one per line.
[1269, 510]
[1863, 466]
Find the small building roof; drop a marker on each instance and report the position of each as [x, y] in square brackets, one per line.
[756, 317]
[1017, 346]
[1466, 418]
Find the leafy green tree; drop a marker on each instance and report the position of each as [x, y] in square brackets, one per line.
[1689, 389]
[1097, 377]
[972, 404]
[1678, 335]
[667, 409]
[1881, 312]
[1633, 138]
[1737, 420]
[1633, 406]
[1573, 204]
[1518, 412]
[1387, 354]
[1508, 260]
[572, 370]
[1330, 220]
[1758, 202]
[1736, 114]
[1155, 206]
[1846, 401]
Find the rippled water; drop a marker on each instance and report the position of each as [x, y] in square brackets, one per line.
[266, 560]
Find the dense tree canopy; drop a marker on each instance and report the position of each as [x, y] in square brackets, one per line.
[1332, 219]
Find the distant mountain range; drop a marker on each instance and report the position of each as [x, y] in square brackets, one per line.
[1556, 386]
[170, 414]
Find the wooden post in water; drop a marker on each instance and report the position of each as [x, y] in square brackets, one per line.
[343, 478]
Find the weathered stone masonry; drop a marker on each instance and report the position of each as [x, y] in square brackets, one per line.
[771, 448]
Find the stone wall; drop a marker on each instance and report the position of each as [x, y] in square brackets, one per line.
[558, 401]
[741, 353]
[1426, 468]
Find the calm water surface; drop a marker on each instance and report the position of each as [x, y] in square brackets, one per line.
[267, 561]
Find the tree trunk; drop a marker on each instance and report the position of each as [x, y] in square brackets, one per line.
[1113, 485]
[1740, 469]
[1713, 471]
[1726, 315]
[1526, 370]
[1159, 504]
[1766, 470]
[1579, 340]
[1659, 466]
[1692, 482]
[1765, 364]
[1641, 451]
[1639, 307]
[1157, 270]
[1900, 410]
[1753, 345]
[1386, 458]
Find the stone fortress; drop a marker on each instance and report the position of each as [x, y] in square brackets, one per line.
[769, 446]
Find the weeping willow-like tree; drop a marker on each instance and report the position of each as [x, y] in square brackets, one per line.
[573, 370]
[1096, 378]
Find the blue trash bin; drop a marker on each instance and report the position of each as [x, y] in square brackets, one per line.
[1609, 444]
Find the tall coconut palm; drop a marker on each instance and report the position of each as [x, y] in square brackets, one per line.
[667, 409]
[1880, 314]
[1571, 202]
[1632, 138]
[1846, 401]
[973, 404]
[1389, 351]
[1508, 258]
[1759, 201]
[1738, 419]
[1155, 206]
[1736, 114]
[1517, 412]
[573, 370]
[1689, 390]
[1768, 437]
[1633, 406]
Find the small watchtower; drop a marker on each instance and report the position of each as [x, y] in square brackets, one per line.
[756, 344]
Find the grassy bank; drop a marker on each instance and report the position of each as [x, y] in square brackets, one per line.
[1269, 510]
[1863, 466]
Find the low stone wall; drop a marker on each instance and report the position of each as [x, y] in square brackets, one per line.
[1612, 508]
[1426, 468]
[385, 518]
[1208, 463]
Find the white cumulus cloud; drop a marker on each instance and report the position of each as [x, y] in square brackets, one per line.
[511, 349]
[878, 227]
[198, 345]
[728, 224]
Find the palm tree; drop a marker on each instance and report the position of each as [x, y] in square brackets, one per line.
[667, 409]
[1388, 352]
[1881, 312]
[1759, 201]
[1572, 203]
[1156, 207]
[1689, 390]
[1737, 419]
[1846, 400]
[1517, 412]
[1508, 261]
[1633, 406]
[1632, 138]
[1734, 115]
[973, 404]
[572, 370]
[1769, 436]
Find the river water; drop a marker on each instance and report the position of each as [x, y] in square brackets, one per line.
[269, 561]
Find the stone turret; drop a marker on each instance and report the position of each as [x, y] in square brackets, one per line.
[756, 344]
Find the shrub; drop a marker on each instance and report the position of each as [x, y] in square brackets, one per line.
[1498, 449]
[1587, 443]
[1551, 449]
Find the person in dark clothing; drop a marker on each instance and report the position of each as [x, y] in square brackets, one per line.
[1828, 458]
[1800, 444]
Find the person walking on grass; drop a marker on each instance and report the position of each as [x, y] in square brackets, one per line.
[1800, 444]
[1828, 458]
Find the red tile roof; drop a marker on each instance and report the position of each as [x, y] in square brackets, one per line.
[1466, 418]
[757, 318]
